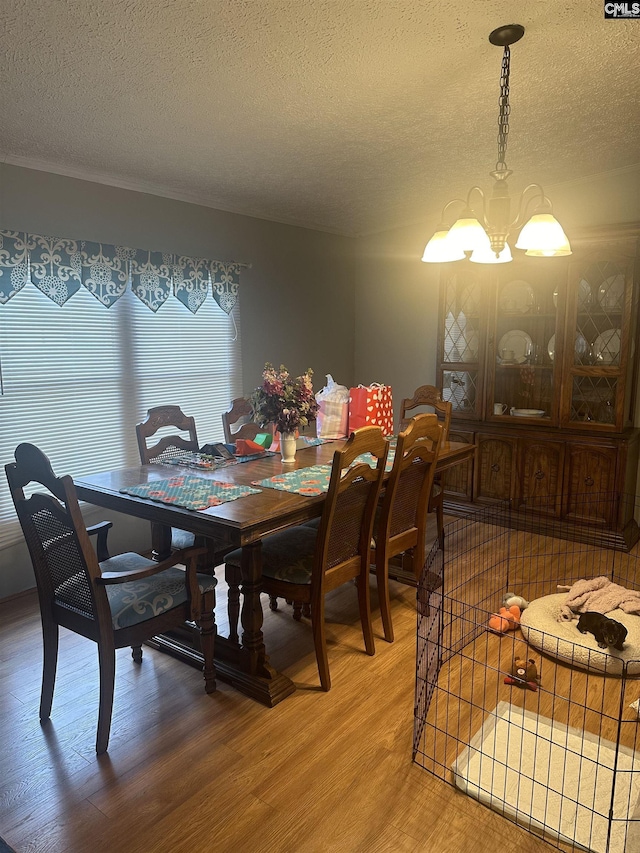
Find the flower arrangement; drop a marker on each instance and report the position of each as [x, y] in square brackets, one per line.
[284, 401]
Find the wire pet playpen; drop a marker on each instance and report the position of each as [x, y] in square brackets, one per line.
[556, 750]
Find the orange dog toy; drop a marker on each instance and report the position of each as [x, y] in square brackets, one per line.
[507, 619]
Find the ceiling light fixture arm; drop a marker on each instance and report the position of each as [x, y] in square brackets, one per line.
[482, 236]
[526, 200]
[443, 215]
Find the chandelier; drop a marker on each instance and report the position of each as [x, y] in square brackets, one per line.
[484, 224]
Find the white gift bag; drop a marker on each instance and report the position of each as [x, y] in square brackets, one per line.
[332, 418]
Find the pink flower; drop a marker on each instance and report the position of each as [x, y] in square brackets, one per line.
[283, 401]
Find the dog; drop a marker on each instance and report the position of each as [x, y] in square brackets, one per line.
[607, 631]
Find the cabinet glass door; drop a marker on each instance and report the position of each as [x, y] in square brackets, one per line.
[525, 343]
[461, 341]
[599, 295]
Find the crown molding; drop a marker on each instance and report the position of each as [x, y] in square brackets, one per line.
[594, 176]
[151, 189]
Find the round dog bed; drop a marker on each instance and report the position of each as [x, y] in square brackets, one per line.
[562, 640]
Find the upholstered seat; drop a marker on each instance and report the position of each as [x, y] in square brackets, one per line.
[301, 564]
[133, 602]
[181, 539]
[115, 601]
[286, 556]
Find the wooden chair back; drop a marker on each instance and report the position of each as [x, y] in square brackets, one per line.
[339, 551]
[72, 583]
[237, 421]
[427, 396]
[157, 419]
[346, 526]
[402, 520]
[64, 562]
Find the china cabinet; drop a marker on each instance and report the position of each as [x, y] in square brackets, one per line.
[539, 359]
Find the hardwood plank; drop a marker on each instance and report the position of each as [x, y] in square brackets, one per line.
[186, 771]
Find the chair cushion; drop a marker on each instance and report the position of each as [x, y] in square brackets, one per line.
[286, 556]
[181, 539]
[135, 601]
[314, 523]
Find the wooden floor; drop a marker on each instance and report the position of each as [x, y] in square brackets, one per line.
[190, 772]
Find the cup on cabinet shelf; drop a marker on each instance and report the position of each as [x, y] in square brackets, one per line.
[499, 408]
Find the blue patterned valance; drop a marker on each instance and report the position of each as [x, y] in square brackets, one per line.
[225, 279]
[59, 267]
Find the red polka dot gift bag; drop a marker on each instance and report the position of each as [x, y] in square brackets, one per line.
[371, 405]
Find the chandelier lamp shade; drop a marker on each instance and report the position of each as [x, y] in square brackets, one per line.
[484, 224]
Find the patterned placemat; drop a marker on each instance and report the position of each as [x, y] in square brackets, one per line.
[312, 441]
[315, 479]
[371, 460]
[305, 481]
[190, 492]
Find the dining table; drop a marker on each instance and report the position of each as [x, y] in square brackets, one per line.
[241, 522]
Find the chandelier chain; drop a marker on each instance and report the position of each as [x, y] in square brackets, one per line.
[505, 109]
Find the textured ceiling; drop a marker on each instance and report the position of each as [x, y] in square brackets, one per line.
[351, 116]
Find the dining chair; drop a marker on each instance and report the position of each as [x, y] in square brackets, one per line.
[401, 522]
[115, 601]
[237, 421]
[430, 397]
[302, 564]
[159, 419]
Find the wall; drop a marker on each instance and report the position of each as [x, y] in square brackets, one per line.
[306, 301]
[397, 295]
[296, 301]
[396, 312]
[297, 277]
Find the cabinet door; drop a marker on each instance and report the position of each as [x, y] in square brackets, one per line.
[590, 477]
[598, 356]
[458, 480]
[523, 334]
[540, 475]
[462, 339]
[495, 473]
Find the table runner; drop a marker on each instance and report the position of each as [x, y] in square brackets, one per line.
[312, 441]
[371, 460]
[315, 479]
[305, 481]
[190, 492]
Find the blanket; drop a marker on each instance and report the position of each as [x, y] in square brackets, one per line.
[600, 595]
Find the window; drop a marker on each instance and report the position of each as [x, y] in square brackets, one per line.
[77, 379]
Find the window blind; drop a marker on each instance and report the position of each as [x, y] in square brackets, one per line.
[76, 381]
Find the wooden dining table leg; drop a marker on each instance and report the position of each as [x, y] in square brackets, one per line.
[253, 674]
[251, 615]
[160, 541]
[245, 665]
